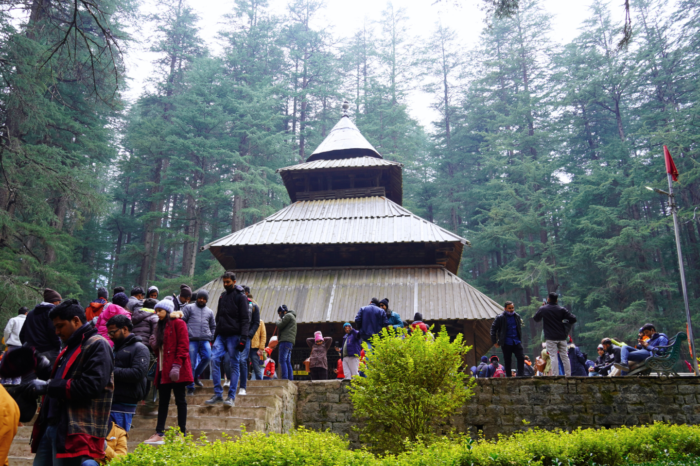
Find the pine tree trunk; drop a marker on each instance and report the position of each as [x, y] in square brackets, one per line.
[57, 224]
[150, 249]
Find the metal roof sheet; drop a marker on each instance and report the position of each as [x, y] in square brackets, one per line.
[340, 221]
[336, 294]
[356, 162]
[344, 141]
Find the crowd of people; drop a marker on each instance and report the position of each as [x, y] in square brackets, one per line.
[92, 366]
[560, 356]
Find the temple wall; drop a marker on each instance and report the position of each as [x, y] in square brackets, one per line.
[504, 406]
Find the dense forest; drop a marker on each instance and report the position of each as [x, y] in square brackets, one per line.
[540, 155]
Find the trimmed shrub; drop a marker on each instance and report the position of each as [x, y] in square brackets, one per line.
[654, 445]
[412, 382]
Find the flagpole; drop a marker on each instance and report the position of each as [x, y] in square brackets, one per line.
[691, 338]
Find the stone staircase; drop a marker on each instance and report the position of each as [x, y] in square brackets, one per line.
[269, 406]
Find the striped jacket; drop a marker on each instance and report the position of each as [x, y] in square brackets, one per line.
[85, 395]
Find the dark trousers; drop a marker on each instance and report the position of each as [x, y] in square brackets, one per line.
[164, 402]
[517, 350]
[318, 373]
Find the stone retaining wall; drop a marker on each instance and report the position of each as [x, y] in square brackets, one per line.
[504, 406]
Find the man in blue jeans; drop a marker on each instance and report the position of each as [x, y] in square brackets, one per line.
[201, 328]
[232, 326]
[650, 342]
[287, 326]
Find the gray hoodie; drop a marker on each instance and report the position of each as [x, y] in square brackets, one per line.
[200, 322]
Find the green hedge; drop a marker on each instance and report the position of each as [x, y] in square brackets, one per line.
[658, 444]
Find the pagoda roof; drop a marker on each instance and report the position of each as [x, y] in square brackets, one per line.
[339, 221]
[344, 141]
[356, 162]
[335, 294]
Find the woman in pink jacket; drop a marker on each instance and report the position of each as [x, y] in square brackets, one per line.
[119, 301]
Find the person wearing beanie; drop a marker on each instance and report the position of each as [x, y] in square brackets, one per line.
[287, 327]
[73, 421]
[232, 327]
[495, 369]
[201, 328]
[96, 307]
[144, 320]
[370, 320]
[173, 368]
[153, 292]
[418, 323]
[394, 318]
[482, 368]
[319, 355]
[352, 347]
[38, 331]
[116, 308]
[182, 299]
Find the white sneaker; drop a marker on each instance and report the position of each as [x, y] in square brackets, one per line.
[241, 391]
[155, 440]
[227, 383]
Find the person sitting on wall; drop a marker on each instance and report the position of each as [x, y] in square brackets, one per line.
[603, 363]
[650, 341]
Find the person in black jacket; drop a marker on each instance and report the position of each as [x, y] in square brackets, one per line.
[254, 311]
[603, 363]
[577, 360]
[131, 358]
[74, 417]
[38, 331]
[232, 327]
[612, 350]
[556, 322]
[506, 333]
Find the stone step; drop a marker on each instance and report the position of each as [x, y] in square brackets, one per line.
[20, 447]
[256, 412]
[269, 400]
[138, 435]
[253, 390]
[24, 431]
[203, 423]
[21, 461]
[257, 383]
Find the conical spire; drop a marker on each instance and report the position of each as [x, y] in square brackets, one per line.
[344, 142]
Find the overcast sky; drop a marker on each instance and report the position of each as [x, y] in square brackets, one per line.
[345, 17]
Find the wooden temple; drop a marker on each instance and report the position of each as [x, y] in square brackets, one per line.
[345, 239]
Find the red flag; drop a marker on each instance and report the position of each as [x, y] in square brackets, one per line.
[670, 166]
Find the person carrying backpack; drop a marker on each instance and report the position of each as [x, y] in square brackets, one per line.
[495, 370]
[482, 368]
